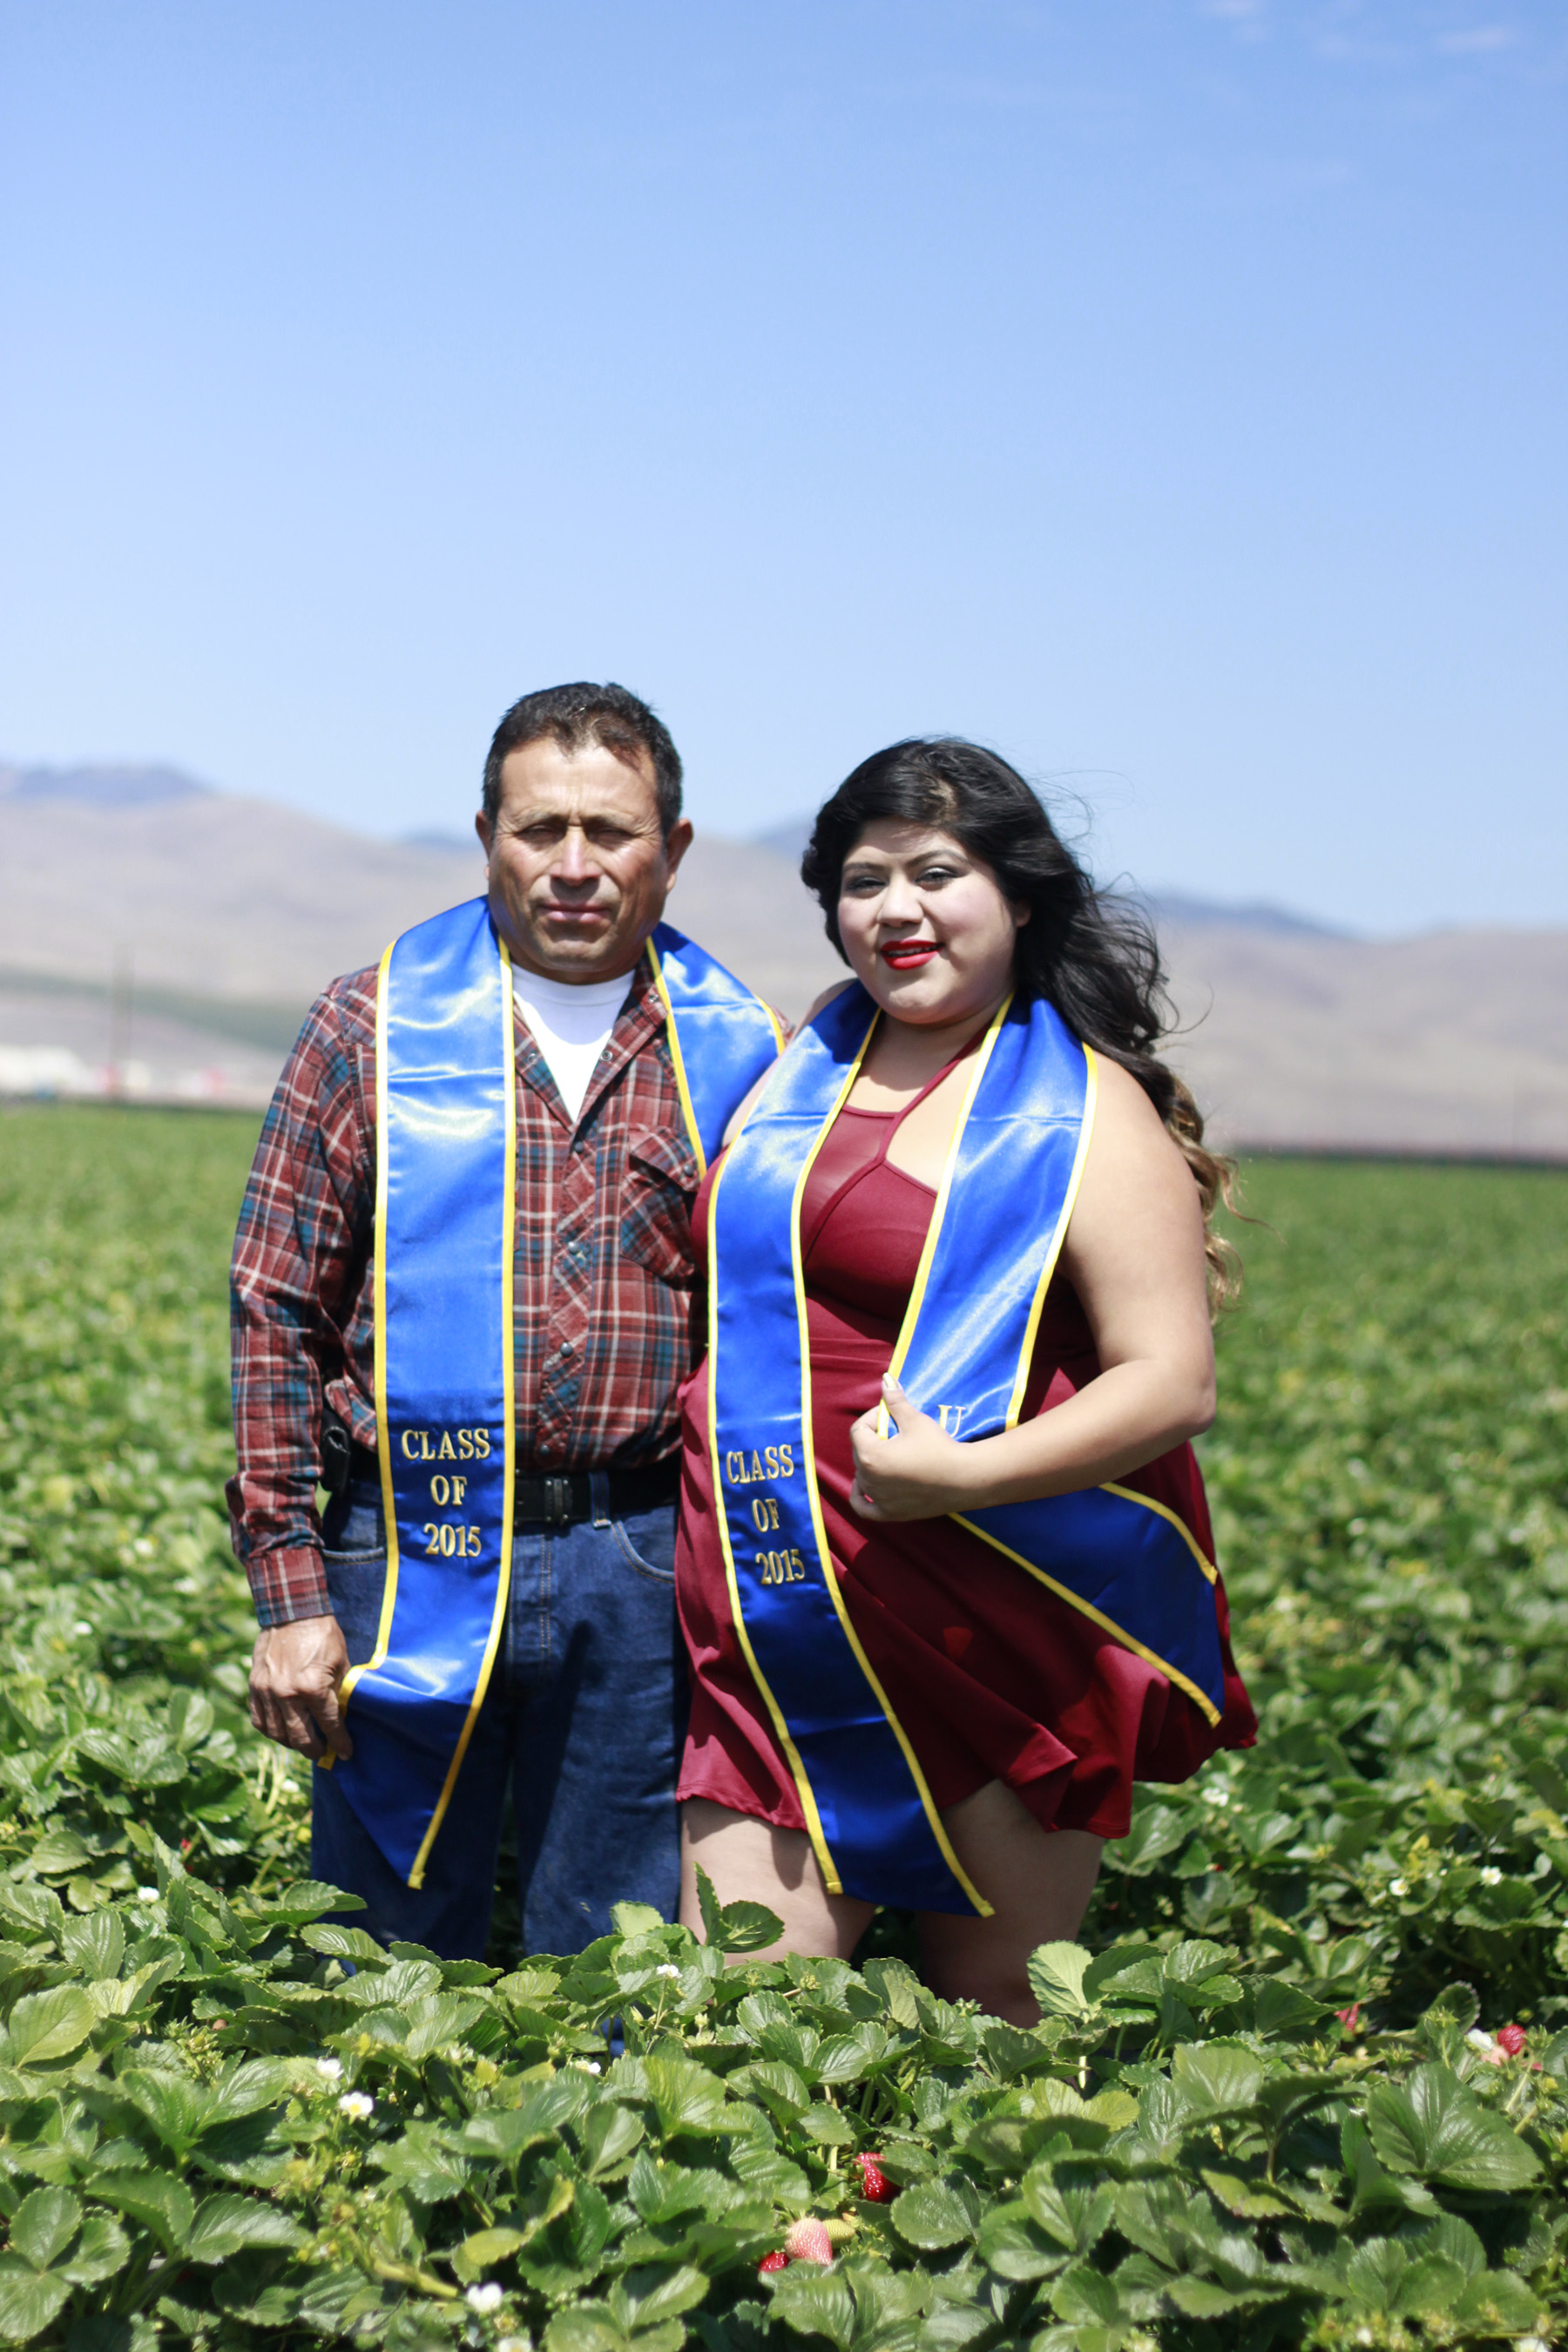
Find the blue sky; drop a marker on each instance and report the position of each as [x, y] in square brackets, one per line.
[1171, 394]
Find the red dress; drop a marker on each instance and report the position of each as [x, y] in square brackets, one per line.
[992, 1676]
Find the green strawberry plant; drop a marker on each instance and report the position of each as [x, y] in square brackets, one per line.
[255, 2125]
[1304, 2080]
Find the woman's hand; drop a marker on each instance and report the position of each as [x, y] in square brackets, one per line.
[919, 1473]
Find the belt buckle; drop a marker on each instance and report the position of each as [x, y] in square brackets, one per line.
[557, 1502]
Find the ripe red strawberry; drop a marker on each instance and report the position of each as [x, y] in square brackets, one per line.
[777, 2260]
[808, 2242]
[1350, 2018]
[1511, 2039]
[875, 2185]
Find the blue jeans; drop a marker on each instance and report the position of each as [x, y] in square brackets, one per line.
[585, 1713]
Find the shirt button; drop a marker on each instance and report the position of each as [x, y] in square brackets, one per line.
[567, 1347]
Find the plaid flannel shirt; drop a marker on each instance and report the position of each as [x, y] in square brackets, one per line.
[605, 1278]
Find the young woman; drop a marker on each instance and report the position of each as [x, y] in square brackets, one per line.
[945, 1570]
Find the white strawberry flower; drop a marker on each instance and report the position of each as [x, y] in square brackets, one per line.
[356, 2105]
[1398, 1886]
[485, 2296]
[1491, 1875]
[146, 1894]
[329, 2069]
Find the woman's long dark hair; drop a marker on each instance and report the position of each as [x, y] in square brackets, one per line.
[1094, 957]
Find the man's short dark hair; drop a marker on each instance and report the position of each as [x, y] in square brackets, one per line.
[576, 716]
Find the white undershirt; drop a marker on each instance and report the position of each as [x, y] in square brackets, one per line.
[570, 1023]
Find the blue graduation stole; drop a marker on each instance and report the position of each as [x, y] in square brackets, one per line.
[445, 1118]
[1127, 1563]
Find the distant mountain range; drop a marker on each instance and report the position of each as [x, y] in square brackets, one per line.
[107, 787]
[128, 787]
[211, 896]
[1244, 914]
[208, 921]
[456, 842]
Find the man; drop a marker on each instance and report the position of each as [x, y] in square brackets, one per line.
[497, 1562]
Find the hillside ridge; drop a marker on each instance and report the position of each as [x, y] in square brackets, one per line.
[206, 921]
[116, 784]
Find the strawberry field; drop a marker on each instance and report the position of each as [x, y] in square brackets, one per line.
[1304, 2083]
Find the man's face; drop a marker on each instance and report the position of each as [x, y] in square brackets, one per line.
[578, 868]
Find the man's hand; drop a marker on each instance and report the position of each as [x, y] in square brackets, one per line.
[295, 1671]
[918, 1474]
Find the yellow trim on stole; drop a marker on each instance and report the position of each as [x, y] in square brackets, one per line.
[677, 1060]
[382, 1436]
[928, 1803]
[1086, 1608]
[1026, 1351]
[808, 1804]
[1131, 1495]
[933, 1817]
[928, 1251]
[814, 1829]
[383, 1432]
[1086, 1128]
[509, 1459]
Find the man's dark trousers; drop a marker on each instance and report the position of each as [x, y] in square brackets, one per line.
[585, 1715]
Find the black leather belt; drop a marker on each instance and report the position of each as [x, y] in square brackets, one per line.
[558, 1502]
[561, 1502]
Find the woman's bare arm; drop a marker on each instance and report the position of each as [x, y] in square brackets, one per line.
[1134, 1254]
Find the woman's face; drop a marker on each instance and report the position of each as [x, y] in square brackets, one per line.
[924, 925]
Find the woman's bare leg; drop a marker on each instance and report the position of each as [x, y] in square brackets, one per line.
[751, 1862]
[1038, 1882]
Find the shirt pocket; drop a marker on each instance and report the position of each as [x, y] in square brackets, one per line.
[661, 1185]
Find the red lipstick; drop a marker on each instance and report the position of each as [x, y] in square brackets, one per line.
[905, 955]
